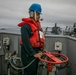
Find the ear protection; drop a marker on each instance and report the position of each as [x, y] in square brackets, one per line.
[31, 13]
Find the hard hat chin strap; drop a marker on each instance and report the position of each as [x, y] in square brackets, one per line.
[35, 15]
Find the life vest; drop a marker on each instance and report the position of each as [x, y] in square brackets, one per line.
[37, 39]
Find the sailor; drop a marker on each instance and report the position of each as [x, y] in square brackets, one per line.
[32, 39]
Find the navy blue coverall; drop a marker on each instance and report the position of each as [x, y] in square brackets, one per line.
[27, 52]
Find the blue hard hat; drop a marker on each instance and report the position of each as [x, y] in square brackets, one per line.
[36, 7]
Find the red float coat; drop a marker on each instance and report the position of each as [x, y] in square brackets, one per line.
[37, 39]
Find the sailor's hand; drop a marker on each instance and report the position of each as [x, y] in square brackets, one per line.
[38, 55]
[45, 50]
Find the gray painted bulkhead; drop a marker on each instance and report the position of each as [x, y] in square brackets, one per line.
[14, 46]
[68, 48]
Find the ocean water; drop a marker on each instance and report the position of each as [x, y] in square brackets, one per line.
[10, 29]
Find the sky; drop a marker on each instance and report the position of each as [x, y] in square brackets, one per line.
[62, 12]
